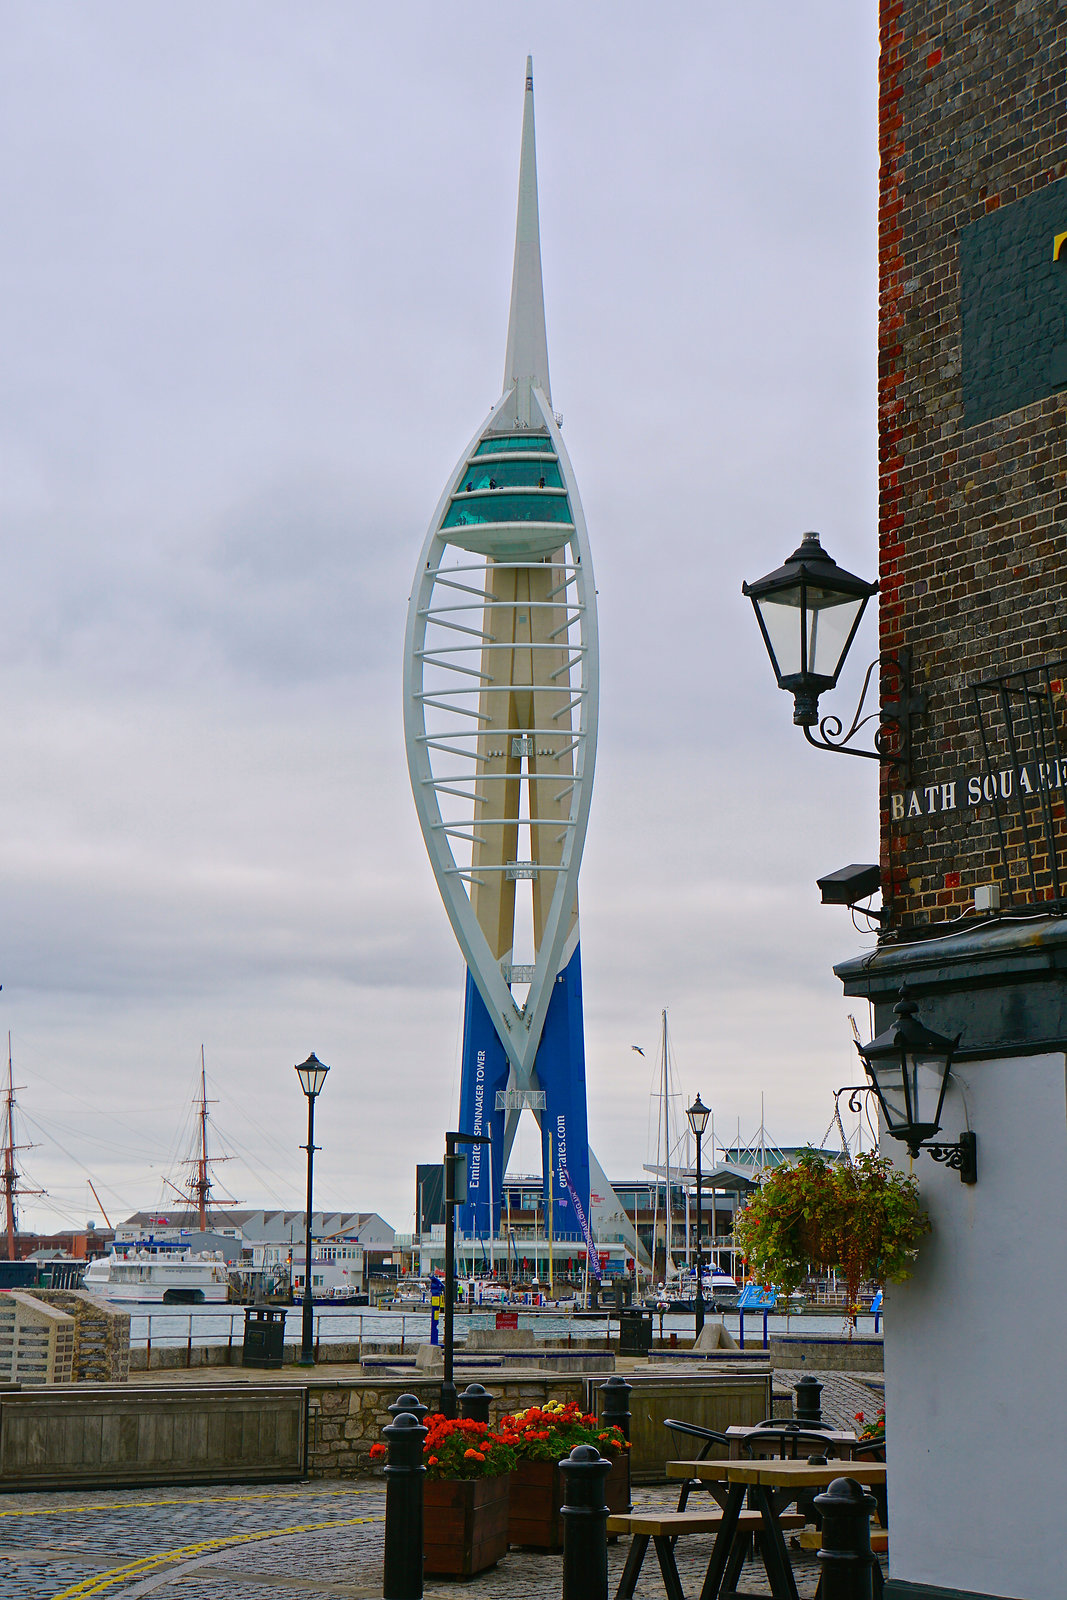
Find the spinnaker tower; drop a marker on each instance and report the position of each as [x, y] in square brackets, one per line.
[500, 704]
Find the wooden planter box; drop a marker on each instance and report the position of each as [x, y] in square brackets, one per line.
[465, 1525]
[537, 1495]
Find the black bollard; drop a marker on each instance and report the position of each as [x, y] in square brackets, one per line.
[585, 1524]
[404, 1478]
[845, 1560]
[409, 1403]
[616, 1404]
[807, 1406]
[474, 1403]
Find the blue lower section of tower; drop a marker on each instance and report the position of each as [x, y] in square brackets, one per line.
[560, 1071]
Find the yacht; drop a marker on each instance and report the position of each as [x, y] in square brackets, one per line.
[155, 1272]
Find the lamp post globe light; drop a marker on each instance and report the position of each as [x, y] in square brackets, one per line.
[808, 611]
[698, 1115]
[312, 1075]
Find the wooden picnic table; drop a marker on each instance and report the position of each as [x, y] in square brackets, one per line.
[770, 1487]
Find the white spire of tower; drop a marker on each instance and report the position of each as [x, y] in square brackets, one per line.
[526, 362]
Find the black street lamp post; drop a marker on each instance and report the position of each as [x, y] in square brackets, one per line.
[455, 1194]
[312, 1075]
[698, 1115]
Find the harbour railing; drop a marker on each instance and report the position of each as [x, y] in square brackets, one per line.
[401, 1332]
[395, 1332]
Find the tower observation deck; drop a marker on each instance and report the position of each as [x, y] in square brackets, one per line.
[500, 705]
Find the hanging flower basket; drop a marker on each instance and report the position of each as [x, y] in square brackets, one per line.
[861, 1219]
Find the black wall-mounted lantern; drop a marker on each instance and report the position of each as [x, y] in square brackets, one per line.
[908, 1066]
[808, 612]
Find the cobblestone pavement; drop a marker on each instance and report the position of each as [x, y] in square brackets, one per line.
[843, 1393]
[291, 1542]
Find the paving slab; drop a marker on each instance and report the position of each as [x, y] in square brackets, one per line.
[291, 1542]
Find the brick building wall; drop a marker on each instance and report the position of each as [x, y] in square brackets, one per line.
[973, 442]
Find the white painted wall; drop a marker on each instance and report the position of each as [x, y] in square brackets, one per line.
[975, 1345]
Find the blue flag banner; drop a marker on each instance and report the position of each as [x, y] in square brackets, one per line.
[591, 1250]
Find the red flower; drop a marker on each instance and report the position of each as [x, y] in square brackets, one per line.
[377, 1451]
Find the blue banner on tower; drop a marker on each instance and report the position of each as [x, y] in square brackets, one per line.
[485, 1070]
[560, 1071]
[560, 1068]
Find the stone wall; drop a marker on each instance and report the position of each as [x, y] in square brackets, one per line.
[972, 435]
[826, 1355]
[345, 1418]
[101, 1335]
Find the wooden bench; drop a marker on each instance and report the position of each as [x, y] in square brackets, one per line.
[811, 1539]
[664, 1528]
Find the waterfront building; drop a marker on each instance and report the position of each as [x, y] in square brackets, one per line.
[345, 1244]
[81, 1244]
[630, 1223]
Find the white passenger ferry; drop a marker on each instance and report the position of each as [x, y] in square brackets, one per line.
[154, 1272]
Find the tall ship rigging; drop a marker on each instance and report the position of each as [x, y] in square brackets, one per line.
[11, 1177]
[168, 1271]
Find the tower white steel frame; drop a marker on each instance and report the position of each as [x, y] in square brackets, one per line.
[500, 707]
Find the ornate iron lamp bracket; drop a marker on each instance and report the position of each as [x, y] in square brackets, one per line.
[962, 1157]
[892, 737]
[855, 1092]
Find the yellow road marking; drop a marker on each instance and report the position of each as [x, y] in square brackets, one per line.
[140, 1569]
[208, 1500]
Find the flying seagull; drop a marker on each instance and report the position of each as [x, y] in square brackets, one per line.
[637, 1047]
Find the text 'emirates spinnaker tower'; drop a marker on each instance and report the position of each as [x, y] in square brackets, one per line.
[500, 705]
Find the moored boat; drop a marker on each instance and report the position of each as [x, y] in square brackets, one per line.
[156, 1272]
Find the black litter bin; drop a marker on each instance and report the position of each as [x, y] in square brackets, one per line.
[264, 1341]
[635, 1332]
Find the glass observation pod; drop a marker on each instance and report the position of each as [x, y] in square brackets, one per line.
[510, 502]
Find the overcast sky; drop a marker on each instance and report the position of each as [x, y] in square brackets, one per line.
[254, 279]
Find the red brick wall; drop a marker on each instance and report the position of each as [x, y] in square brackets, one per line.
[972, 117]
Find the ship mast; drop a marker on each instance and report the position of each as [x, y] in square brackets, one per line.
[666, 1154]
[200, 1184]
[9, 1177]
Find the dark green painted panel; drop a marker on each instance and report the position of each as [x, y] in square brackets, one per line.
[1003, 989]
[1013, 305]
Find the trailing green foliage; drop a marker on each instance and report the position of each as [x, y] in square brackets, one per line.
[861, 1219]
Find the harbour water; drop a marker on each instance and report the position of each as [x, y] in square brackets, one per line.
[173, 1326]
